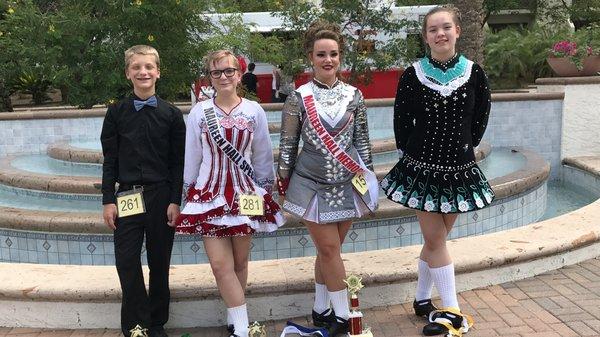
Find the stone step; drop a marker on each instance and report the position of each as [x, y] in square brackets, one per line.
[90, 296]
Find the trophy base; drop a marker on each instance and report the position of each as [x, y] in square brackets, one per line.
[364, 334]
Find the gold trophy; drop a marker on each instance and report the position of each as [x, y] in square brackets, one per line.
[257, 330]
[138, 331]
[356, 326]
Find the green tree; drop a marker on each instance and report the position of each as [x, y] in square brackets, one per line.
[581, 12]
[231, 33]
[176, 28]
[233, 6]
[83, 43]
[89, 70]
[94, 34]
[25, 32]
[371, 34]
[490, 6]
[494, 6]
[5, 103]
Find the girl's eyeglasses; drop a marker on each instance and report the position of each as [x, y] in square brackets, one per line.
[229, 72]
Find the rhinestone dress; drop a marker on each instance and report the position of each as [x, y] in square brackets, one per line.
[316, 186]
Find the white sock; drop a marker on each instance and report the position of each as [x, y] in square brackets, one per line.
[321, 298]
[339, 302]
[443, 278]
[239, 317]
[229, 319]
[424, 282]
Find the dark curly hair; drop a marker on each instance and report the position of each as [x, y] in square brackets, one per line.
[321, 29]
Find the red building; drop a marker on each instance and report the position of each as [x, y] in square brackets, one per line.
[383, 84]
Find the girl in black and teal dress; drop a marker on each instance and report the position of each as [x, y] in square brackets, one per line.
[440, 114]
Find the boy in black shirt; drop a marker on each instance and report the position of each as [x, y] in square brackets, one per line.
[143, 141]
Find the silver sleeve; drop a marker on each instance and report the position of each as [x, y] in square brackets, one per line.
[361, 133]
[291, 126]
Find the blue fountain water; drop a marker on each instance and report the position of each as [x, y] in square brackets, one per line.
[500, 162]
[564, 198]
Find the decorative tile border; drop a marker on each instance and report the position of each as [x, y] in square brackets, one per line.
[97, 249]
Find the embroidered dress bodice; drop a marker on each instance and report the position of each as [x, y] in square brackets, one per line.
[210, 170]
[444, 72]
[346, 121]
[439, 123]
[440, 114]
[445, 77]
[331, 101]
[215, 174]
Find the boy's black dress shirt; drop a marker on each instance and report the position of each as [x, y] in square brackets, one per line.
[142, 147]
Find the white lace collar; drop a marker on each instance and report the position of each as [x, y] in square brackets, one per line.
[447, 89]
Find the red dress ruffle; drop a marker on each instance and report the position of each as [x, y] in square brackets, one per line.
[199, 223]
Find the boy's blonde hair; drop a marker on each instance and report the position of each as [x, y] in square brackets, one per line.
[141, 49]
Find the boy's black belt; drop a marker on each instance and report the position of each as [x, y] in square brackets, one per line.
[147, 187]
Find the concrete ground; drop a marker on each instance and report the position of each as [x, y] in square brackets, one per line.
[565, 302]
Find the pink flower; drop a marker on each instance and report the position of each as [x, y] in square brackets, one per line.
[565, 48]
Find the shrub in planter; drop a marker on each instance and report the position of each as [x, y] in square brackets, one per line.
[516, 57]
[34, 84]
[579, 55]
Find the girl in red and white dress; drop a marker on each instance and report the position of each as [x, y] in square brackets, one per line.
[228, 158]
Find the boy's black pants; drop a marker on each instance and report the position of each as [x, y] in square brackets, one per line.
[149, 310]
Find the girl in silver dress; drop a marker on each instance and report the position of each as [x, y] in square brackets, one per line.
[331, 182]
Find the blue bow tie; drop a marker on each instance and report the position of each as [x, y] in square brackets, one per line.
[140, 104]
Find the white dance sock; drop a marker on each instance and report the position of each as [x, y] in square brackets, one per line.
[229, 319]
[321, 298]
[443, 278]
[424, 282]
[239, 317]
[339, 302]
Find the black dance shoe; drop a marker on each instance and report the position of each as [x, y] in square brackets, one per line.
[323, 319]
[158, 332]
[442, 321]
[423, 307]
[230, 329]
[339, 326]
